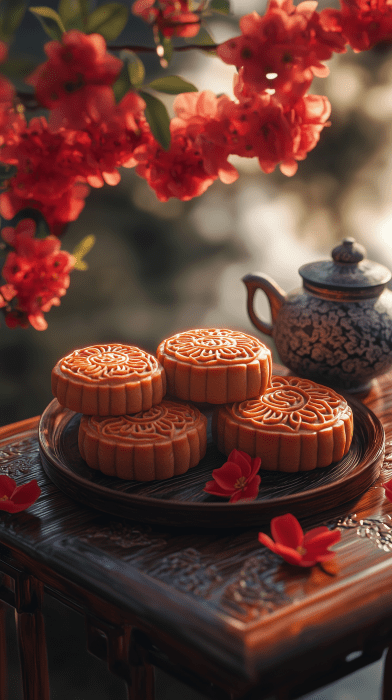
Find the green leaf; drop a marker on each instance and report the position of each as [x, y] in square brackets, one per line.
[71, 13]
[167, 49]
[136, 69]
[50, 20]
[11, 15]
[122, 84]
[81, 250]
[221, 6]
[158, 119]
[19, 66]
[42, 230]
[85, 5]
[7, 171]
[172, 85]
[108, 20]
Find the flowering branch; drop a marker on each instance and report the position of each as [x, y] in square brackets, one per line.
[100, 116]
[153, 49]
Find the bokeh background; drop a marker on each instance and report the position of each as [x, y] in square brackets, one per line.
[159, 268]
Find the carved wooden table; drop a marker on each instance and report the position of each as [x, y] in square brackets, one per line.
[215, 609]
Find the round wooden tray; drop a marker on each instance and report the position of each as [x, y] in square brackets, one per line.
[181, 500]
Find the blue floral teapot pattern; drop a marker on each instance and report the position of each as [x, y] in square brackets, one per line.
[337, 328]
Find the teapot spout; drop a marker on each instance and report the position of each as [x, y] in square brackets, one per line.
[275, 294]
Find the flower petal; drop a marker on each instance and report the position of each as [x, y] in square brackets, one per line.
[388, 489]
[255, 466]
[308, 560]
[249, 492]
[215, 490]
[289, 554]
[266, 541]
[286, 530]
[227, 475]
[24, 496]
[242, 459]
[314, 533]
[321, 540]
[7, 485]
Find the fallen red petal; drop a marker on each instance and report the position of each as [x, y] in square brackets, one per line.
[286, 530]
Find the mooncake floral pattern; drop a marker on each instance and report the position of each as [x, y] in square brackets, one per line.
[108, 361]
[211, 346]
[161, 422]
[291, 404]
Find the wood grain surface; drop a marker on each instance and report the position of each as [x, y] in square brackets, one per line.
[214, 605]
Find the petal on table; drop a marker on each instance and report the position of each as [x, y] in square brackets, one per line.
[7, 485]
[286, 530]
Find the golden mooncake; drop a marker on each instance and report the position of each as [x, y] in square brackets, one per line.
[295, 425]
[159, 443]
[108, 380]
[215, 365]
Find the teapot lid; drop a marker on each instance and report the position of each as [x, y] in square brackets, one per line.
[349, 269]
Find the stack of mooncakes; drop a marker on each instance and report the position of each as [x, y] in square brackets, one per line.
[131, 431]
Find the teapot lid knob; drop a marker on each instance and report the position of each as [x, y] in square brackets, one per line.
[349, 269]
[349, 251]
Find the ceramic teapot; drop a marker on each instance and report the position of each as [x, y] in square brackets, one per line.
[337, 329]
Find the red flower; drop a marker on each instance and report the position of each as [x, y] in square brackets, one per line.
[50, 166]
[237, 479]
[178, 172]
[259, 125]
[363, 23]
[283, 49]
[295, 547]
[170, 17]
[36, 273]
[15, 498]
[194, 160]
[109, 139]
[388, 489]
[202, 115]
[76, 77]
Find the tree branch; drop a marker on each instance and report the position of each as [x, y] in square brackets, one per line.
[149, 49]
[28, 100]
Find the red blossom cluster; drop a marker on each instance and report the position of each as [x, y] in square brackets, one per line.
[282, 50]
[85, 140]
[170, 17]
[363, 23]
[87, 136]
[36, 273]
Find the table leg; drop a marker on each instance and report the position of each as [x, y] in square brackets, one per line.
[142, 685]
[30, 628]
[116, 646]
[387, 681]
[3, 654]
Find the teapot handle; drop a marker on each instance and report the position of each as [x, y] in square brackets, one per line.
[276, 297]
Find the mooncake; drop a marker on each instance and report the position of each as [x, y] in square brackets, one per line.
[215, 365]
[295, 425]
[108, 380]
[159, 443]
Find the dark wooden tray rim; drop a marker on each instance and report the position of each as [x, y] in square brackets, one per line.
[345, 480]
